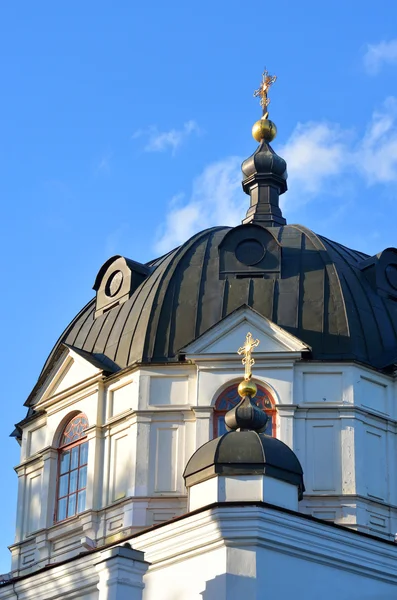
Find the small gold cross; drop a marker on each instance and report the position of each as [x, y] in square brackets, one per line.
[263, 90]
[247, 349]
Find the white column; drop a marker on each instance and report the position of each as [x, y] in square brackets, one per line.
[121, 572]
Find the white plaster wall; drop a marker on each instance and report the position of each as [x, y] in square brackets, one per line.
[186, 580]
[145, 425]
[227, 554]
[260, 553]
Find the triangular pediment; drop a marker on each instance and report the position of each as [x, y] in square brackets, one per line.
[69, 372]
[229, 334]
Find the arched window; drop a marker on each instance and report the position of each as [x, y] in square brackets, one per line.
[229, 398]
[72, 469]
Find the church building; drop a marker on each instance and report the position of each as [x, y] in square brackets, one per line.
[220, 422]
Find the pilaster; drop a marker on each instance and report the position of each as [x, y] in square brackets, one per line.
[142, 455]
[286, 423]
[94, 468]
[50, 465]
[121, 572]
[203, 425]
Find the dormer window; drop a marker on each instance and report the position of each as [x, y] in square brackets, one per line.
[72, 469]
[249, 252]
[116, 281]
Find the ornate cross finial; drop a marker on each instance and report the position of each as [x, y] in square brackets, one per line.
[246, 350]
[262, 91]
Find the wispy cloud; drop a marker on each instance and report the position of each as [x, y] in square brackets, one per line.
[376, 157]
[160, 141]
[103, 166]
[377, 55]
[216, 199]
[322, 158]
[315, 152]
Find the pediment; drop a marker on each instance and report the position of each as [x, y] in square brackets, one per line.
[70, 371]
[229, 334]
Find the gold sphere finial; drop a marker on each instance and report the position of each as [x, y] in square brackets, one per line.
[247, 388]
[264, 129]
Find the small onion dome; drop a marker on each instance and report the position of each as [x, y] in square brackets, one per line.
[245, 453]
[246, 415]
[266, 163]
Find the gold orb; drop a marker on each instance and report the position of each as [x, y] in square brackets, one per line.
[264, 129]
[247, 388]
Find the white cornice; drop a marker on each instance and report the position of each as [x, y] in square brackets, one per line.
[229, 360]
[274, 529]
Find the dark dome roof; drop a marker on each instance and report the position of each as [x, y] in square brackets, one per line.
[314, 288]
[245, 453]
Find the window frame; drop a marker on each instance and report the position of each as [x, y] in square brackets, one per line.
[271, 412]
[62, 449]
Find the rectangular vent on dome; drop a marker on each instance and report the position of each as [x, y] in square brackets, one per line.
[105, 310]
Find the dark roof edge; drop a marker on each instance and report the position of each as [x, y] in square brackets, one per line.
[99, 361]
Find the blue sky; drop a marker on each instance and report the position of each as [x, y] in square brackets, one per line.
[123, 126]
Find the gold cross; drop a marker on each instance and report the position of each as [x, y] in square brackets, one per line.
[248, 361]
[262, 91]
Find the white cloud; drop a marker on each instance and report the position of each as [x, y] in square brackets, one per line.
[216, 199]
[376, 156]
[380, 54]
[159, 141]
[322, 158]
[314, 153]
[103, 166]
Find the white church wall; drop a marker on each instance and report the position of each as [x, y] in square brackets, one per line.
[225, 554]
[167, 455]
[122, 399]
[160, 387]
[351, 442]
[319, 383]
[240, 555]
[323, 452]
[145, 425]
[373, 392]
[36, 439]
[33, 503]
[276, 375]
[120, 464]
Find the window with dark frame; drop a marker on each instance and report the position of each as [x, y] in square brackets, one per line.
[230, 397]
[72, 469]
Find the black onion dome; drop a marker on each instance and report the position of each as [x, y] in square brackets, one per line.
[312, 287]
[245, 453]
[264, 161]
